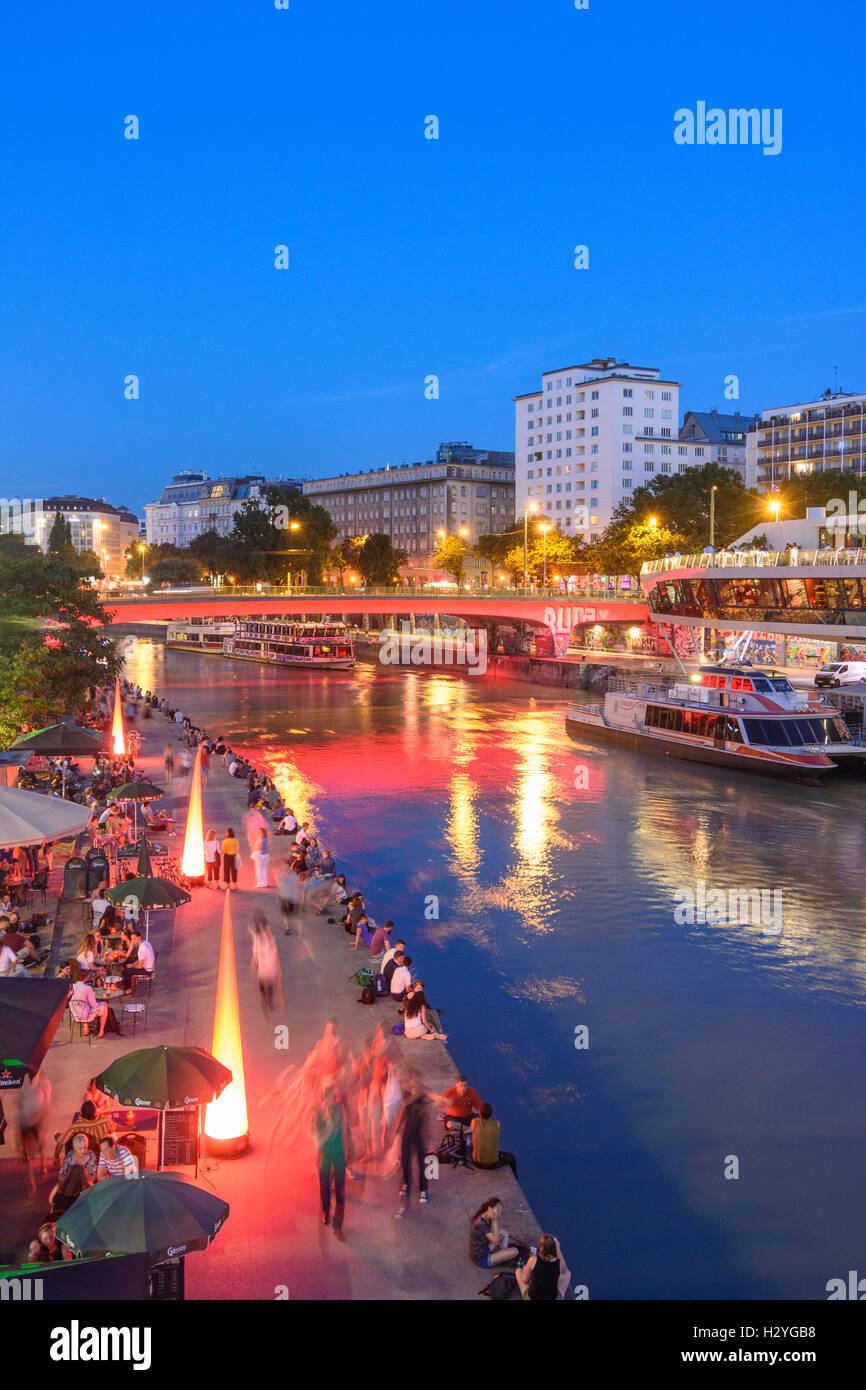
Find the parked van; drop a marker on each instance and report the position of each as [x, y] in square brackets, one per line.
[842, 673]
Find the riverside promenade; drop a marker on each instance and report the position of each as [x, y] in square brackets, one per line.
[274, 1243]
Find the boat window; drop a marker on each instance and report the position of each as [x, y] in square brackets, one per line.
[733, 732]
[780, 683]
[762, 684]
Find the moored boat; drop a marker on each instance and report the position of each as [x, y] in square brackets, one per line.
[324, 646]
[732, 716]
[199, 634]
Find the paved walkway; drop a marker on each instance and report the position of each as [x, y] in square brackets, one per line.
[274, 1238]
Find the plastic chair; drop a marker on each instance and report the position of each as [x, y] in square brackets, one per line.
[136, 1010]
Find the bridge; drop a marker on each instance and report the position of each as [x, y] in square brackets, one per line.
[801, 593]
[552, 610]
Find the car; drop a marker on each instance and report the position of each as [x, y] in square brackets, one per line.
[841, 673]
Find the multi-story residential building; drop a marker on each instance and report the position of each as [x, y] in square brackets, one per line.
[94, 525]
[469, 491]
[826, 435]
[724, 437]
[193, 503]
[591, 435]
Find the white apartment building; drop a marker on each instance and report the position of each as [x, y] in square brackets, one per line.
[592, 434]
[827, 435]
[94, 524]
[193, 503]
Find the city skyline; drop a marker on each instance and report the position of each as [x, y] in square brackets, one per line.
[409, 258]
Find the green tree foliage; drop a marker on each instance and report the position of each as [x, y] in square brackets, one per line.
[451, 556]
[51, 649]
[60, 538]
[177, 569]
[378, 561]
[153, 555]
[623, 549]
[266, 546]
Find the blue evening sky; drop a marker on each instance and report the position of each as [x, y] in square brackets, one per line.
[409, 256]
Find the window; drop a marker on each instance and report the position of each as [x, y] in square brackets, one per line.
[627, 391]
[626, 463]
[594, 430]
[594, 396]
[649, 395]
[666, 395]
[649, 413]
[594, 413]
[626, 448]
[628, 410]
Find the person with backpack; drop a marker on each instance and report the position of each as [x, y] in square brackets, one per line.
[330, 1130]
[488, 1244]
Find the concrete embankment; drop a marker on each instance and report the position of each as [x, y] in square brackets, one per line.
[274, 1239]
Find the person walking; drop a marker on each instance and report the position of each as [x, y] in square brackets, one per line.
[212, 859]
[168, 760]
[265, 964]
[261, 857]
[411, 1124]
[330, 1129]
[229, 849]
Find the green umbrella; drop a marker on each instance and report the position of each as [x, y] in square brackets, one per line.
[159, 1214]
[148, 893]
[165, 1078]
[59, 739]
[135, 792]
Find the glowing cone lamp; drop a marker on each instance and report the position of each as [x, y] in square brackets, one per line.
[118, 742]
[225, 1126]
[192, 862]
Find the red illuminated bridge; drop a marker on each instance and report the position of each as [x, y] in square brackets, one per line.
[556, 612]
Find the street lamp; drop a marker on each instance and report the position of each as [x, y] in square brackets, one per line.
[544, 528]
[713, 491]
[775, 507]
[530, 507]
[142, 548]
[293, 526]
[653, 522]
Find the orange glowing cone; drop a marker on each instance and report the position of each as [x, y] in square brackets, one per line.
[225, 1125]
[192, 862]
[118, 742]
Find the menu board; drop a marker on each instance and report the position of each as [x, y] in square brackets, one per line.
[167, 1281]
[180, 1136]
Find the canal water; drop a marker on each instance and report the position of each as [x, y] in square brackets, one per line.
[709, 1141]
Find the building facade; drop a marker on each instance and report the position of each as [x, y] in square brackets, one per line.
[94, 524]
[826, 435]
[193, 503]
[469, 491]
[724, 437]
[592, 434]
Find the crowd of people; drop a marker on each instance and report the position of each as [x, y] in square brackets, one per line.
[365, 1115]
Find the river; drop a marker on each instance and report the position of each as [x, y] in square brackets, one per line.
[708, 1142]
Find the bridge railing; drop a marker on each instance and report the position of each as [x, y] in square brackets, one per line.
[755, 559]
[611, 592]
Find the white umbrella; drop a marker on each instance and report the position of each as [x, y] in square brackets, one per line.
[27, 818]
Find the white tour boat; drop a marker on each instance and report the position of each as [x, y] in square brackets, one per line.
[199, 635]
[732, 715]
[324, 646]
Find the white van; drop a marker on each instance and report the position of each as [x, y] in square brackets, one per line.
[842, 673]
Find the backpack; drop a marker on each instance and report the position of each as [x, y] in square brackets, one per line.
[501, 1286]
[380, 985]
[368, 995]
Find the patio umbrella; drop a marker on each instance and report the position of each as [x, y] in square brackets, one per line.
[159, 1214]
[135, 792]
[148, 892]
[165, 1078]
[28, 818]
[30, 1011]
[59, 740]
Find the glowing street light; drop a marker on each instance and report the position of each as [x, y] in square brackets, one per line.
[775, 508]
[713, 491]
[226, 1126]
[544, 528]
[653, 523]
[143, 550]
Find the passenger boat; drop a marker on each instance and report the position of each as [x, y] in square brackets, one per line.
[727, 714]
[317, 646]
[199, 634]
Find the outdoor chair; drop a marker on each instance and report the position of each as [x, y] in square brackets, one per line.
[39, 884]
[136, 1009]
[77, 1014]
[144, 981]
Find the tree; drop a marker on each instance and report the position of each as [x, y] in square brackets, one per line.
[622, 550]
[60, 538]
[681, 502]
[451, 556]
[378, 561]
[155, 553]
[281, 533]
[177, 569]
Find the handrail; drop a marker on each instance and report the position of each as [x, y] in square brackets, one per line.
[594, 592]
[756, 559]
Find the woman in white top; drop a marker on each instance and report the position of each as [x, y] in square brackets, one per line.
[212, 860]
[261, 857]
[88, 951]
